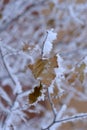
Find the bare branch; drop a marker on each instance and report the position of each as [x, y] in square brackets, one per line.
[6, 67]
[72, 118]
[18, 87]
[80, 116]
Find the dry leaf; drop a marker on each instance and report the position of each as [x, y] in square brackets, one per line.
[51, 22]
[44, 69]
[33, 96]
[80, 71]
[72, 77]
[38, 67]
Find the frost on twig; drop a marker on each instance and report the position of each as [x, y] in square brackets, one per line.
[79, 116]
[29, 66]
[48, 45]
[14, 78]
[60, 71]
[74, 17]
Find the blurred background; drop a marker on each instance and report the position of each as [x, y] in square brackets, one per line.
[26, 21]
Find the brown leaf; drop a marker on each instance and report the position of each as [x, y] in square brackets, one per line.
[33, 96]
[80, 71]
[51, 22]
[44, 69]
[38, 67]
[72, 77]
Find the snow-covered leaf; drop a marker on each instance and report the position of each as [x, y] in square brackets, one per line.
[51, 36]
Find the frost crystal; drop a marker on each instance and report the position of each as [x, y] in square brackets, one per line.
[48, 43]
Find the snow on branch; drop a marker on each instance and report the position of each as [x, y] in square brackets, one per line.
[47, 46]
[18, 87]
[79, 116]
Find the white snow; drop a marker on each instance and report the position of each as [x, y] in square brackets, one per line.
[51, 36]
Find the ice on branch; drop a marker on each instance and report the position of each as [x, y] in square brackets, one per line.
[85, 60]
[47, 47]
[60, 73]
[51, 87]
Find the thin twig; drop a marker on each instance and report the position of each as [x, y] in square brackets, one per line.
[5, 65]
[43, 44]
[50, 101]
[51, 104]
[27, 8]
[72, 118]
[68, 119]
